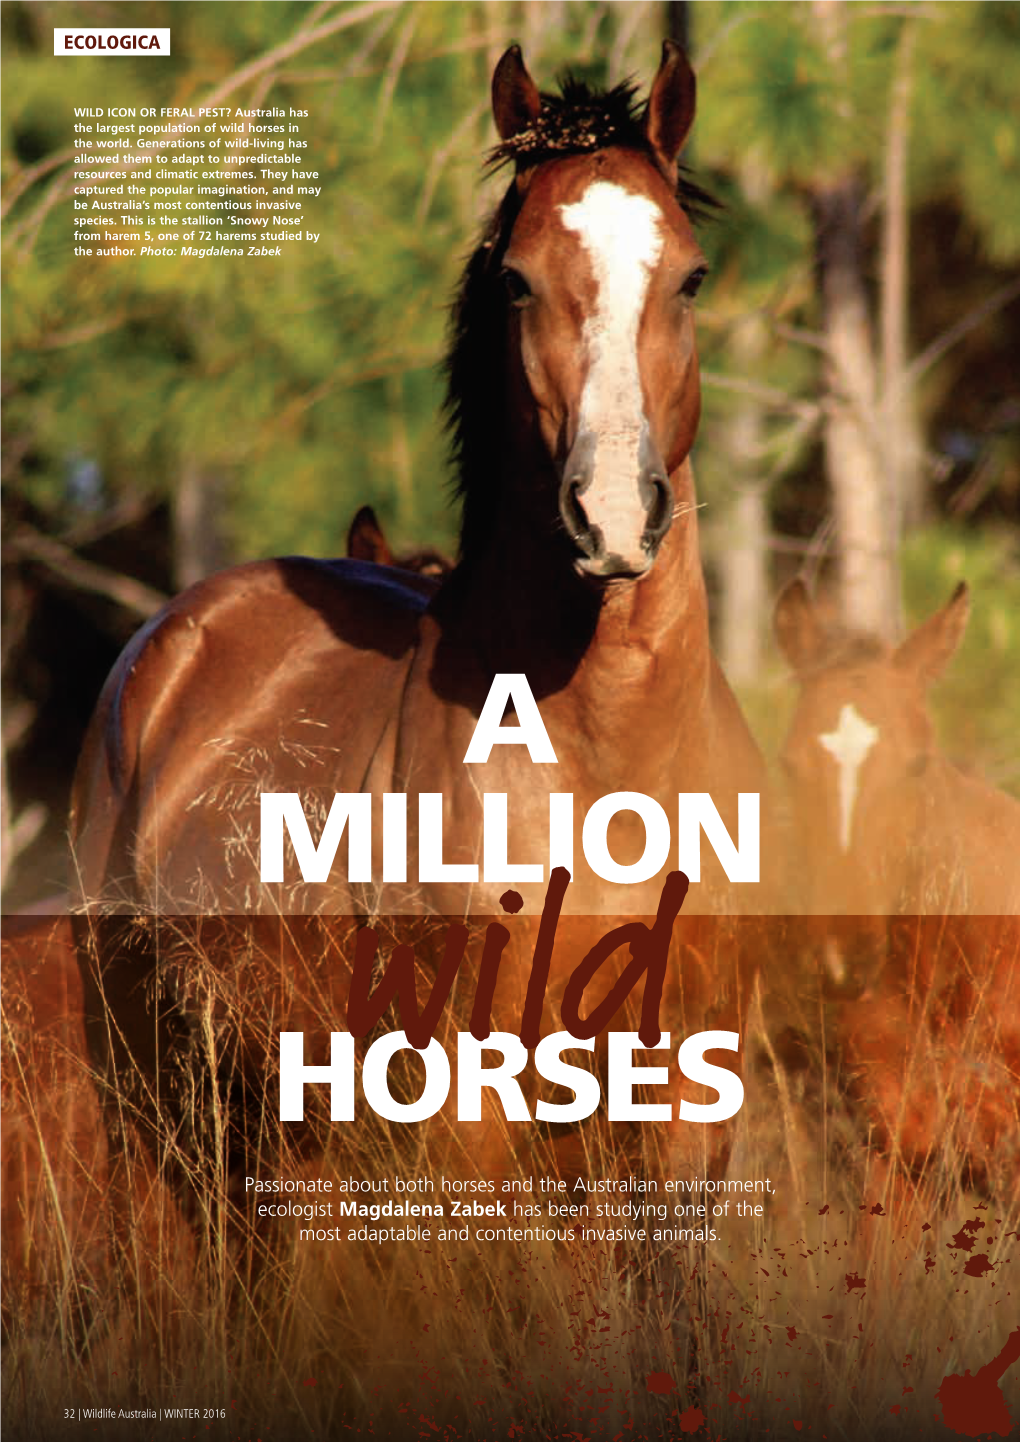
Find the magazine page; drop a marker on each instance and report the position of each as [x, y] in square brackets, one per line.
[511, 679]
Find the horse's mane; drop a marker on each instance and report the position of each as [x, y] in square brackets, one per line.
[575, 122]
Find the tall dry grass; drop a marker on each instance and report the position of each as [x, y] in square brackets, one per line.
[837, 1311]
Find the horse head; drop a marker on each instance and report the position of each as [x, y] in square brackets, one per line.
[858, 759]
[590, 268]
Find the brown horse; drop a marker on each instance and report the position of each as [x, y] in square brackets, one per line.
[573, 402]
[910, 866]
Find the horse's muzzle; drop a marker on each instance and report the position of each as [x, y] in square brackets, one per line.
[615, 524]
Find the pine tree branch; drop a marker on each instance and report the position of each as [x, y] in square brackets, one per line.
[83, 575]
[776, 400]
[934, 352]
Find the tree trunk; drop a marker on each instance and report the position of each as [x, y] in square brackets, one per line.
[865, 515]
[743, 554]
[199, 545]
[901, 434]
[867, 519]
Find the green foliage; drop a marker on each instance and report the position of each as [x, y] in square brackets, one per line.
[788, 103]
[275, 376]
[777, 98]
[969, 58]
[978, 701]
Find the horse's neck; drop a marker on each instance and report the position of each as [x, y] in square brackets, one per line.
[649, 665]
[631, 662]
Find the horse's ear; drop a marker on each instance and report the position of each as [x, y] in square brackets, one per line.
[798, 630]
[670, 112]
[515, 98]
[366, 541]
[928, 650]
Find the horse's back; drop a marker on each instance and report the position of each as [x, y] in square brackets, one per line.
[275, 676]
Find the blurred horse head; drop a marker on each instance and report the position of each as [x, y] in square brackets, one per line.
[909, 866]
[883, 821]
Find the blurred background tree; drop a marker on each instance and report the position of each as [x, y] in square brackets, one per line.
[855, 127]
[859, 333]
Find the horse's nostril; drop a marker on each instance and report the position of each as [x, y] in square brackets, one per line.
[660, 510]
[573, 512]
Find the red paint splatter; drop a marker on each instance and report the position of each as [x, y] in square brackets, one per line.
[691, 1420]
[978, 1266]
[660, 1383]
[791, 1333]
[309, 1382]
[973, 1406]
[798, 1425]
[853, 1282]
[823, 1210]
[511, 901]
[878, 1210]
[929, 1263]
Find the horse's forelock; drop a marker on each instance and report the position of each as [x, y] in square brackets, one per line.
[581, 120]
[575, 122]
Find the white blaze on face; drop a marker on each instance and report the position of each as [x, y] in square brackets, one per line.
[850, 743]
[622, 236]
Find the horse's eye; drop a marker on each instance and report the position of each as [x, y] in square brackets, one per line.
[692, 284]
[517, 287]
